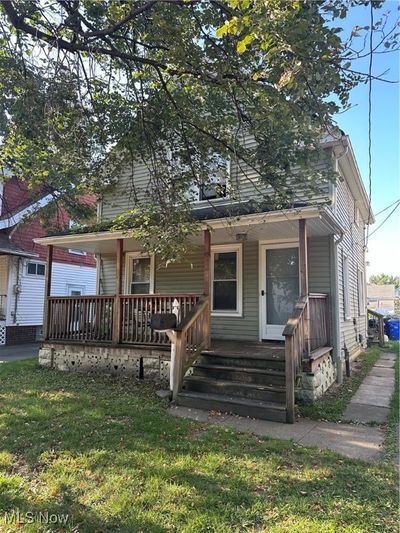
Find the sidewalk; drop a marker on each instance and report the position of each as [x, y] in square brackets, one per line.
[370, 403]
[372, 400]
[18, 351]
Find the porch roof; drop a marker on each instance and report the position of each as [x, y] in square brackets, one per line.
[271, 225]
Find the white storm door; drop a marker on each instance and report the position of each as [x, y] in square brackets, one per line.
[279, 289]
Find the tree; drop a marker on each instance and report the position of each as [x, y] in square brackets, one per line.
[177, 84]
[385, 279]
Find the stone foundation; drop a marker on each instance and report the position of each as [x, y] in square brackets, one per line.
[145, 363]
[316, 378]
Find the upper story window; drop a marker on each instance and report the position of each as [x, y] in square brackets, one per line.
[35, 269]
[216, 185]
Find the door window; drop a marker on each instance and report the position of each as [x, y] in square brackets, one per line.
[282, 283]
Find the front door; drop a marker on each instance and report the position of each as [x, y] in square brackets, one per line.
[279, 288]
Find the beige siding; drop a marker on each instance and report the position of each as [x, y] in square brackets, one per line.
[351, 246]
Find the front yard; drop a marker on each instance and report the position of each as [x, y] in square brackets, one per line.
[106, 452]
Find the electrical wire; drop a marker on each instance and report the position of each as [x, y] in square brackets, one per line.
[387, 218]
[371, 26]
[388, 207]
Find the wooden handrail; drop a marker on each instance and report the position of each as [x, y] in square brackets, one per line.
[306, 330]
[191, 338]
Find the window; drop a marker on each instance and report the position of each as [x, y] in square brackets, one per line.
[216, 185]
[75, 290]
[346, 295]
[361, 292]
[139, 273]
[226, 271]
[35, 269]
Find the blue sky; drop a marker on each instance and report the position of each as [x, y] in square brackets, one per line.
[384, 245]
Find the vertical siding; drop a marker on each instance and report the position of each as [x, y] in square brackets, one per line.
[352, 246]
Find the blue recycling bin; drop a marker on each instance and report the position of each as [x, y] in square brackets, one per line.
[393, 329]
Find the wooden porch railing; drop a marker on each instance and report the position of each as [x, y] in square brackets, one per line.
[306, 330]
[136, 313]
[95, 318]
[380, 327]
[192, 335]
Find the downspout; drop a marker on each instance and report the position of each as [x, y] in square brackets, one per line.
[337, 341]
[16, 290]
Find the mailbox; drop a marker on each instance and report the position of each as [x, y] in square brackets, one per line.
[162, 321]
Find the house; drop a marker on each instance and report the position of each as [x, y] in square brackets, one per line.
[381, 298]
[267, 304]
[23, 265]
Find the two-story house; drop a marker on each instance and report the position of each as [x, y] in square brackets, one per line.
[23, 265]
[267, 303]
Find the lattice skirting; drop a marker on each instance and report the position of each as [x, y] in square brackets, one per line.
[2, 334]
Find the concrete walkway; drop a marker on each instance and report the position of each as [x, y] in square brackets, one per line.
[18, 352]
[371, 402]
[356, 442]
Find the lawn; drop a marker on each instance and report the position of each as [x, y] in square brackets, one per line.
[107, 453]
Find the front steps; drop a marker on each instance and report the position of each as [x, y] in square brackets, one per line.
[246, 382]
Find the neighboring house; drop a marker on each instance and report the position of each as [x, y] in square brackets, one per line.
[295, 275]
[381, 298]
[23, 266]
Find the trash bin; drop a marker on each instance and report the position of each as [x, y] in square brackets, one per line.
[394, 329]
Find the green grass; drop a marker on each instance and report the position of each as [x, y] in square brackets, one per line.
[107, 453]
[333, 404]
[391, 439]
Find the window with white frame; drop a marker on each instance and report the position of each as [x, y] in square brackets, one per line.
[226, 272]
[217, 184]
[139, 273]
[35, 269]
[75, 290]
[346, 289]
[361, 292]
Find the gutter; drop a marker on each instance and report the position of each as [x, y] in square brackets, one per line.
[15, 219]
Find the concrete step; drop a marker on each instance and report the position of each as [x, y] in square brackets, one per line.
[252, 391]
[256, 376]
[232, 404]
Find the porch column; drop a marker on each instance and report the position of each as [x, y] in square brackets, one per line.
[303, 260]
[118, 292]
[47, 292]
[207, 285]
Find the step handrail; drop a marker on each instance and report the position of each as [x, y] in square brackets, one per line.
[296, 346]
[192, 336]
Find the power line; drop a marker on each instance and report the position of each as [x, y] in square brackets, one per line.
[387, 218]
[388, 207]
[371, 26]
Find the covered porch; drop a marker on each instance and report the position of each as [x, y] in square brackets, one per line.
[118, 319]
